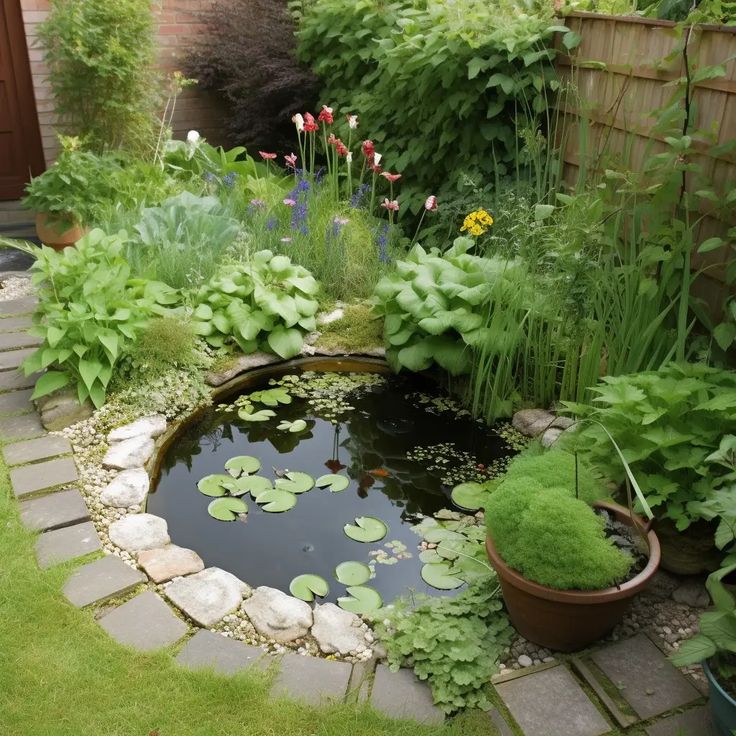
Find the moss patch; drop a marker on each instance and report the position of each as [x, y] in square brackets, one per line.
[359, 330]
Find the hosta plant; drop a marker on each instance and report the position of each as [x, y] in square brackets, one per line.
[89, 314]
[265, 304]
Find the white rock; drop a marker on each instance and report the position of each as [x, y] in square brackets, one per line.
[137, 532]
[127, 489]
[151, 426]
[169, 562]
[207, 596]
[525, 660]
[335, 630]
[276, 615]
[532, 422]
[326, 317]
[551, 436]
[132, 453]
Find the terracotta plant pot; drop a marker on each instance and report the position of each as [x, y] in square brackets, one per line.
[56, 231]
[568, 620]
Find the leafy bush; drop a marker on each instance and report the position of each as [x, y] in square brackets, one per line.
[166, 342]
[668, 423]
[100, 56]
[453, 643]
[89, 314]
[442, 82]
[267, 304]
[552, 538]
[247, 54]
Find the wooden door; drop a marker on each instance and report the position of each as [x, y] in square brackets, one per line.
[21, 153]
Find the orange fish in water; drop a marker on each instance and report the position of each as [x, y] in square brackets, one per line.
[379, 472]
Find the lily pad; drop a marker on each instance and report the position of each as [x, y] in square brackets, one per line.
[253, 484]
[216, 485]
[352, 573]
[334, 482]
[295, 482]
[366, 529]
[276, 500]
[242, 465]
[469, 496]
[298, 425]
[256, 416]
[439, 575]
[360, 599]
[306, 587]
[271, 396]
[227, 509]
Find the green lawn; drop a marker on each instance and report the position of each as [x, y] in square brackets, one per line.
[60, 675]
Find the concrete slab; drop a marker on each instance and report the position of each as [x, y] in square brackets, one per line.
[694, 722]
[644, 676]
[60, 545]
[18, 306]
[14, 379]
[21, 427]
[145, 623]
[54, 511]
[551, 703]
[208, 650]
[403, 695]
[40, 476]
[15, 324]
[311, 679]
[16, 401]
[14, 358]
[29, 451]
[99, 580]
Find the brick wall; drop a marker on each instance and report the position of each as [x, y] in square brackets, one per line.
[178, 24]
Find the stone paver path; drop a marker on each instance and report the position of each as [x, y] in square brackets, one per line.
[67, 543]
[207, 650]
[102, 579]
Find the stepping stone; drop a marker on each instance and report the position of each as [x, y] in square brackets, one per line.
[694, 722]
[132, 453]
[31, 478]
[54, 511]
[150, 426]
[168, 562]
[18, 306]
[13, 358]
[101, 579]
[15, 340]
[65, 544]
[311, 680]
[137, 532]
[40, 448]
[499, 722]
[644, 677]
[20, 428]
[15, 379]
[207, 596]
[145, 623]
[14, 324]
[551, 703]
[127, 489]
[403, 695]
[207, 650]
[16, 401]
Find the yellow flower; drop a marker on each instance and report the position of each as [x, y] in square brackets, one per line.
[477, 223]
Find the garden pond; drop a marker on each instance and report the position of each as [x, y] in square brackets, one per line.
[337, 466]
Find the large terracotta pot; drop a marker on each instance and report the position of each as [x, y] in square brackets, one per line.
[568, 620]
[57, 232]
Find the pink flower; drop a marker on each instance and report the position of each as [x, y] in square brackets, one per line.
[390, 204]
[430, 204]
[326, 115]
[391, 177]
[368, 149]
[266, 156]
[375, 168]
[331, 139]
[309, 124]
[291, 160]
[289, 202]
[257, 203]
[352, 121]
[342, 149]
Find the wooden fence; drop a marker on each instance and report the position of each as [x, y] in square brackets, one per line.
[620, 76]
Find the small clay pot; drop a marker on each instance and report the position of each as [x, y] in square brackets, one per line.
[57, 231]
[568, 620]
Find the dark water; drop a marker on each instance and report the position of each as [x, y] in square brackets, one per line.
[272, 548]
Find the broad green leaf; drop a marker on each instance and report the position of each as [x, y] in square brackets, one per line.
[216, 485]
[306, 587]
[335, 483]
[360, 599]
[242, 464]
[440, 576]
[276, 501]
[469, 496]
[50, 382]
[366, 529]
[227, 509]
[256, 416]
[253, 484]
[295, 482]
[286, 343]
[352, 572]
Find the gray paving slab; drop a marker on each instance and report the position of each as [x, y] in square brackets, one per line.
[15, 324]
[361, 679]
[18, 306]
[694, 722]
[60, 545]
[403, 695]
[53, 511]
[99, 580]
[13, 358]
[551, 703]
[29, 479]
[311, 679]
[40, 448]
[644, 676]
[145, 623]
[21, 427]
[16, 401]
[207, 650]
[14, 379]
[16, 340]
[499, 722]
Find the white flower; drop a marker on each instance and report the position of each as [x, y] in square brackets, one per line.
[298, 120]
[349, 157]
[193, 137]
[377, 158]
[352, 122]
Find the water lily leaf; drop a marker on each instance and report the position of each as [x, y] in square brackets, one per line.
[352, 573]
[366, 529]
[429, 555]
[298, 425]
[360, 599]
[256, 416]
[227, 509]
[271, 397]
[295, 482]
[276, 500]
[469, 496]
[335, 483]
[440, 534]
[242, 464]
[306, 587]
[253, 484]
[439, 575]
[216, 485]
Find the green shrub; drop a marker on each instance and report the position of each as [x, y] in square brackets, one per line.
[166, 342]
[100, 56]
[358, 330]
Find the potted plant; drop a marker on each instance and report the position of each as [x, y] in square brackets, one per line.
[564, 580]
[715, 647]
